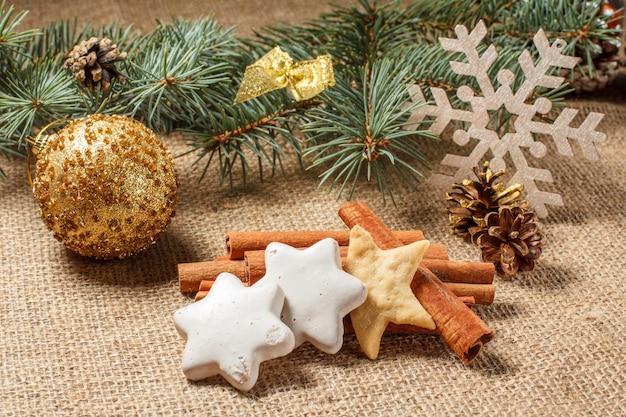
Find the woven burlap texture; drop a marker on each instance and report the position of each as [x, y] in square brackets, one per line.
[86, 338]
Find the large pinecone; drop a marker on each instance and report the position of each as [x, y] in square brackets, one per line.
[511, 240]
[470, 201]
[93, 63]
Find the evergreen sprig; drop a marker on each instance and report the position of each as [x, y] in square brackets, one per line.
[185, 74]
[359, 132]
[578, 22]
[11, 41]
[262, 128]
[171, 70]
[362, 129]
[33, 97]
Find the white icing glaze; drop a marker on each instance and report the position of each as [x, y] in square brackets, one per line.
[318, 292]
[232, 330]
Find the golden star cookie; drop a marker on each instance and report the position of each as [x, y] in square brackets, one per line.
[387, 274]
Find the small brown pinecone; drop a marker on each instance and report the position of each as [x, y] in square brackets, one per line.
[93, 63]
[470, 201]
[511, 240]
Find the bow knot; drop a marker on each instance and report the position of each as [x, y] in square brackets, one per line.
[276, 69]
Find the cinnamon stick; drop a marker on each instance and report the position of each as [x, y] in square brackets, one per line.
[460, 328]
[239, 242]
[468, 300]
[191, 274]
[482, 293]
[203, 290]
[452, 271]
[250, 270]
[463, 272]
[392, 328]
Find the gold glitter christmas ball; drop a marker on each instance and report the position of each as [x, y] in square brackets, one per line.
[106, 186]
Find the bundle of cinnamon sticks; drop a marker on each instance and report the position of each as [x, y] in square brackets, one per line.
[445, 288]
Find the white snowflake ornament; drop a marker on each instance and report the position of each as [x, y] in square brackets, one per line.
[519, 103]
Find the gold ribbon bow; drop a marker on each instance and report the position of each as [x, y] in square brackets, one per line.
[274, 70]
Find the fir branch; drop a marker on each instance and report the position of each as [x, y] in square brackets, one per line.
[11, 41]
[164, 84]
[171, 70]
[361, 36]
[580, 23]
[512, 24]
[185, 74]
[257, 128]
[33, 97]
[362, 130]
[354, 36]
[11, 48]
[430, 20]
[205, 33]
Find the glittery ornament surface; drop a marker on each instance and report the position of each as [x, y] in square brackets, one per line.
[274, 70]
[106, 186]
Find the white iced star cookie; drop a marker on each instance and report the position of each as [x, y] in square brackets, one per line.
[318, 293]
[232, 330]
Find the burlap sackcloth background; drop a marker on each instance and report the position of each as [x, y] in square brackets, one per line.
[86, 338]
